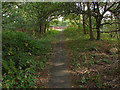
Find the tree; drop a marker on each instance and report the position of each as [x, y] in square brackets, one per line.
[90, 22]
[12, 16]
[98, 11]
[84, 29]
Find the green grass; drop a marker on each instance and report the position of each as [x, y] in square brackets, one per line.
[85, 53]
[22, 56]
[83, 40]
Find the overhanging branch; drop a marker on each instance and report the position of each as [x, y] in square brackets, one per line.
[109, 23]
[109, 31]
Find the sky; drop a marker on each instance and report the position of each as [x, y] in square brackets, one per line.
[60, 19]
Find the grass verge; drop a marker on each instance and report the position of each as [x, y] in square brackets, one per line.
[93, 64]
[23, 56]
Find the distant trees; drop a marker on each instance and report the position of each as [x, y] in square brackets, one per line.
[35, 15]
[90, 22]
[38, 16]
[84, 29]
[59, 23]
[97, 10]
[12, 16]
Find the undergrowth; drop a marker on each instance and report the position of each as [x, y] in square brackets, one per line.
[92, 62]
[19, 62]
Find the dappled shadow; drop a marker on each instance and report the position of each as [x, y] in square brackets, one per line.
[92, 64]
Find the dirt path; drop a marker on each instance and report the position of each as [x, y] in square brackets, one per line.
[59, 75]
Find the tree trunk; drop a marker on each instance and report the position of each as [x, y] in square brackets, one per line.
[33, 31]
[98, 23]
[111, 34]
[99, 18]
[98, 34]
[84, 29]
[84, 24]
[45, 28]
[91, 32]
[79, 27]
[98, 30]
[90, 22]
[41, 28]
[118, 26]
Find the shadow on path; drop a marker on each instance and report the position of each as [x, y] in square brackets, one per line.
[59, 75]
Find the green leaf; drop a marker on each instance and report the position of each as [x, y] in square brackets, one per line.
[83, 80]
[45, 59]
[5, 64]
[47, 63]
[41, 65]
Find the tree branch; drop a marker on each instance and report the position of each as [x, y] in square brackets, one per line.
[109, 23]
[109, 31]
[108, 8]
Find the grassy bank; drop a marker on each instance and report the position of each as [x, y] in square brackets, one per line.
[22, 56]
[93, 64]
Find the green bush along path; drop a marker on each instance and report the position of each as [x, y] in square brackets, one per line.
[23, 56]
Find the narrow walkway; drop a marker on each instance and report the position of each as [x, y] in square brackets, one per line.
[59, 72]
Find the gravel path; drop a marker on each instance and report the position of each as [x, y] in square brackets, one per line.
[59, 75]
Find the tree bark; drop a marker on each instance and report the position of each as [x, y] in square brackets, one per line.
[111, 34]
[98, 21]
[109, 31]
[118, 26]
[98, 29]
[33, 31]
[79, 25]
[45, 28]
[41, 28]
[84, 29]
[91, 31]
[90, 22]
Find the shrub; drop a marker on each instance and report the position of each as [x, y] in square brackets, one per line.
[19, 64]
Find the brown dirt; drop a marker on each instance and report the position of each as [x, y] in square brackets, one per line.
[108, 73]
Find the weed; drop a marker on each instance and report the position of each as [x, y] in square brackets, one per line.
[19, 64]
[111, 85]
[97, 80]
[84, 57]
[73, 74]
[106, 61]
[91, 61]
[79, 44]
[78, 65]
[104, 84]
[85, 63]
[94, 55]
[44, 59]
[81, 86]
[83, 80]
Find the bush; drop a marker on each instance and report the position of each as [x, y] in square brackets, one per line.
[19, 64]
